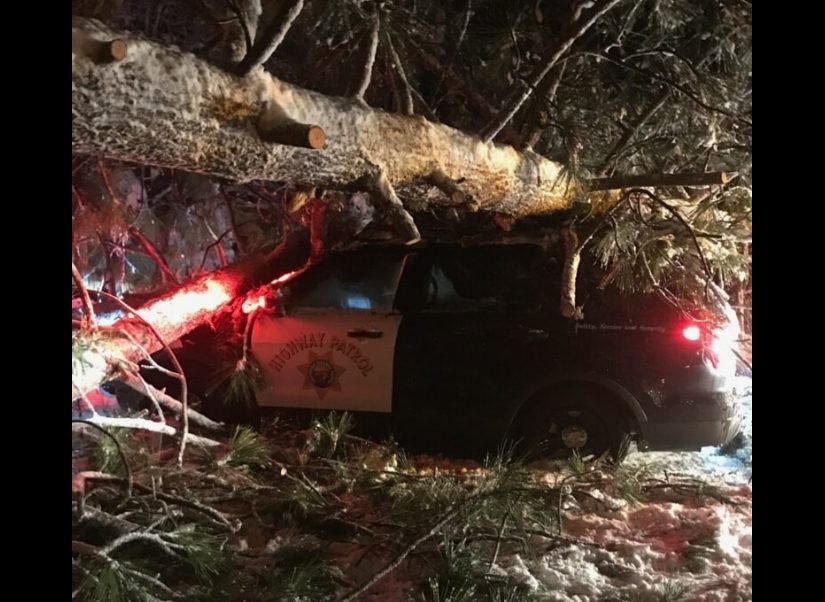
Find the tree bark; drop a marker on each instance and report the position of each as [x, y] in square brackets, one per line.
[179, 312]
[165, 107]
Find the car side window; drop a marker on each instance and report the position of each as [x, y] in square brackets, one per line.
[485, 279]
[365, 282]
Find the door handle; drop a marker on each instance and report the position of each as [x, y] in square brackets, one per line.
[363, 333]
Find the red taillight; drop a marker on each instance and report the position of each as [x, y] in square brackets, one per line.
[692, 333]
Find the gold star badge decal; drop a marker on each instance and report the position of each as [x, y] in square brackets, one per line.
[321, 373]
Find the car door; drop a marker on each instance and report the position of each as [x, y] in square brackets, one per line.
[334, 347]
[473, 340]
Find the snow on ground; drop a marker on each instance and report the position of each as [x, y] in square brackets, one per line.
[694, 549]
[698, 551]
[733, 466]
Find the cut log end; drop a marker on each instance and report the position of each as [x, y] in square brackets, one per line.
[117, 50]
[316, 137]
[294, 134]
[111, 52]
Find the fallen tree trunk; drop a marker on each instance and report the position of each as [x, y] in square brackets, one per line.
[95, 356]
[161, 106]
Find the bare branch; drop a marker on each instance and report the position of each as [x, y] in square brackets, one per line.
[88, 320]
[575, 30]
[152, 252]
[572, 258]
[379, 185]
[399, 67]
[370, 62]
[148, 425]
[445, 518]
[138, 384]
[247, 12]
[271, 39]
[615, 151]
[675, 85]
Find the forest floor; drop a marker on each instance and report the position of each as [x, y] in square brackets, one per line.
[319, 514]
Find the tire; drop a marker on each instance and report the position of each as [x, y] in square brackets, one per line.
[562, 421]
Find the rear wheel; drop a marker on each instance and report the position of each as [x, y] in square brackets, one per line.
[571, 420]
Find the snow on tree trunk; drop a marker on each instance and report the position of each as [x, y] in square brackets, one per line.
[162, 106]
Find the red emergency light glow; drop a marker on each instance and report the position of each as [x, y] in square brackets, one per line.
[253, 304]
[285, 277]
[182, 306]
[692, 333]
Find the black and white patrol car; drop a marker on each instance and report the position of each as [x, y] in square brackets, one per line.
[466, 344]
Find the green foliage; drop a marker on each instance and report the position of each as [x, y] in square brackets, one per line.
[424, 496]
[328, 434]
[297, 502]
[301, 574]
[106, 456]
[245, 380]
[576, 463]
[628, 484]
[448, 590]
[108, 582]
[203, 551]
[247, 448]
[645, 248]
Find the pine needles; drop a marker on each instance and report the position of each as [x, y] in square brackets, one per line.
[247, 448]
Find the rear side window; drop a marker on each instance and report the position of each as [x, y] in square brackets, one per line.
[486, 279]
[355, 281]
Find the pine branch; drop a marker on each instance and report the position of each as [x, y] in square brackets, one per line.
[687, 226]
[675, 85]
[126, 466]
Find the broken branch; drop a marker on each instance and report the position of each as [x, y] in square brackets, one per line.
[149, 425]
[446, 185]
[658, 180]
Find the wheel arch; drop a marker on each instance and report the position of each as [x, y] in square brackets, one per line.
[627, 403]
